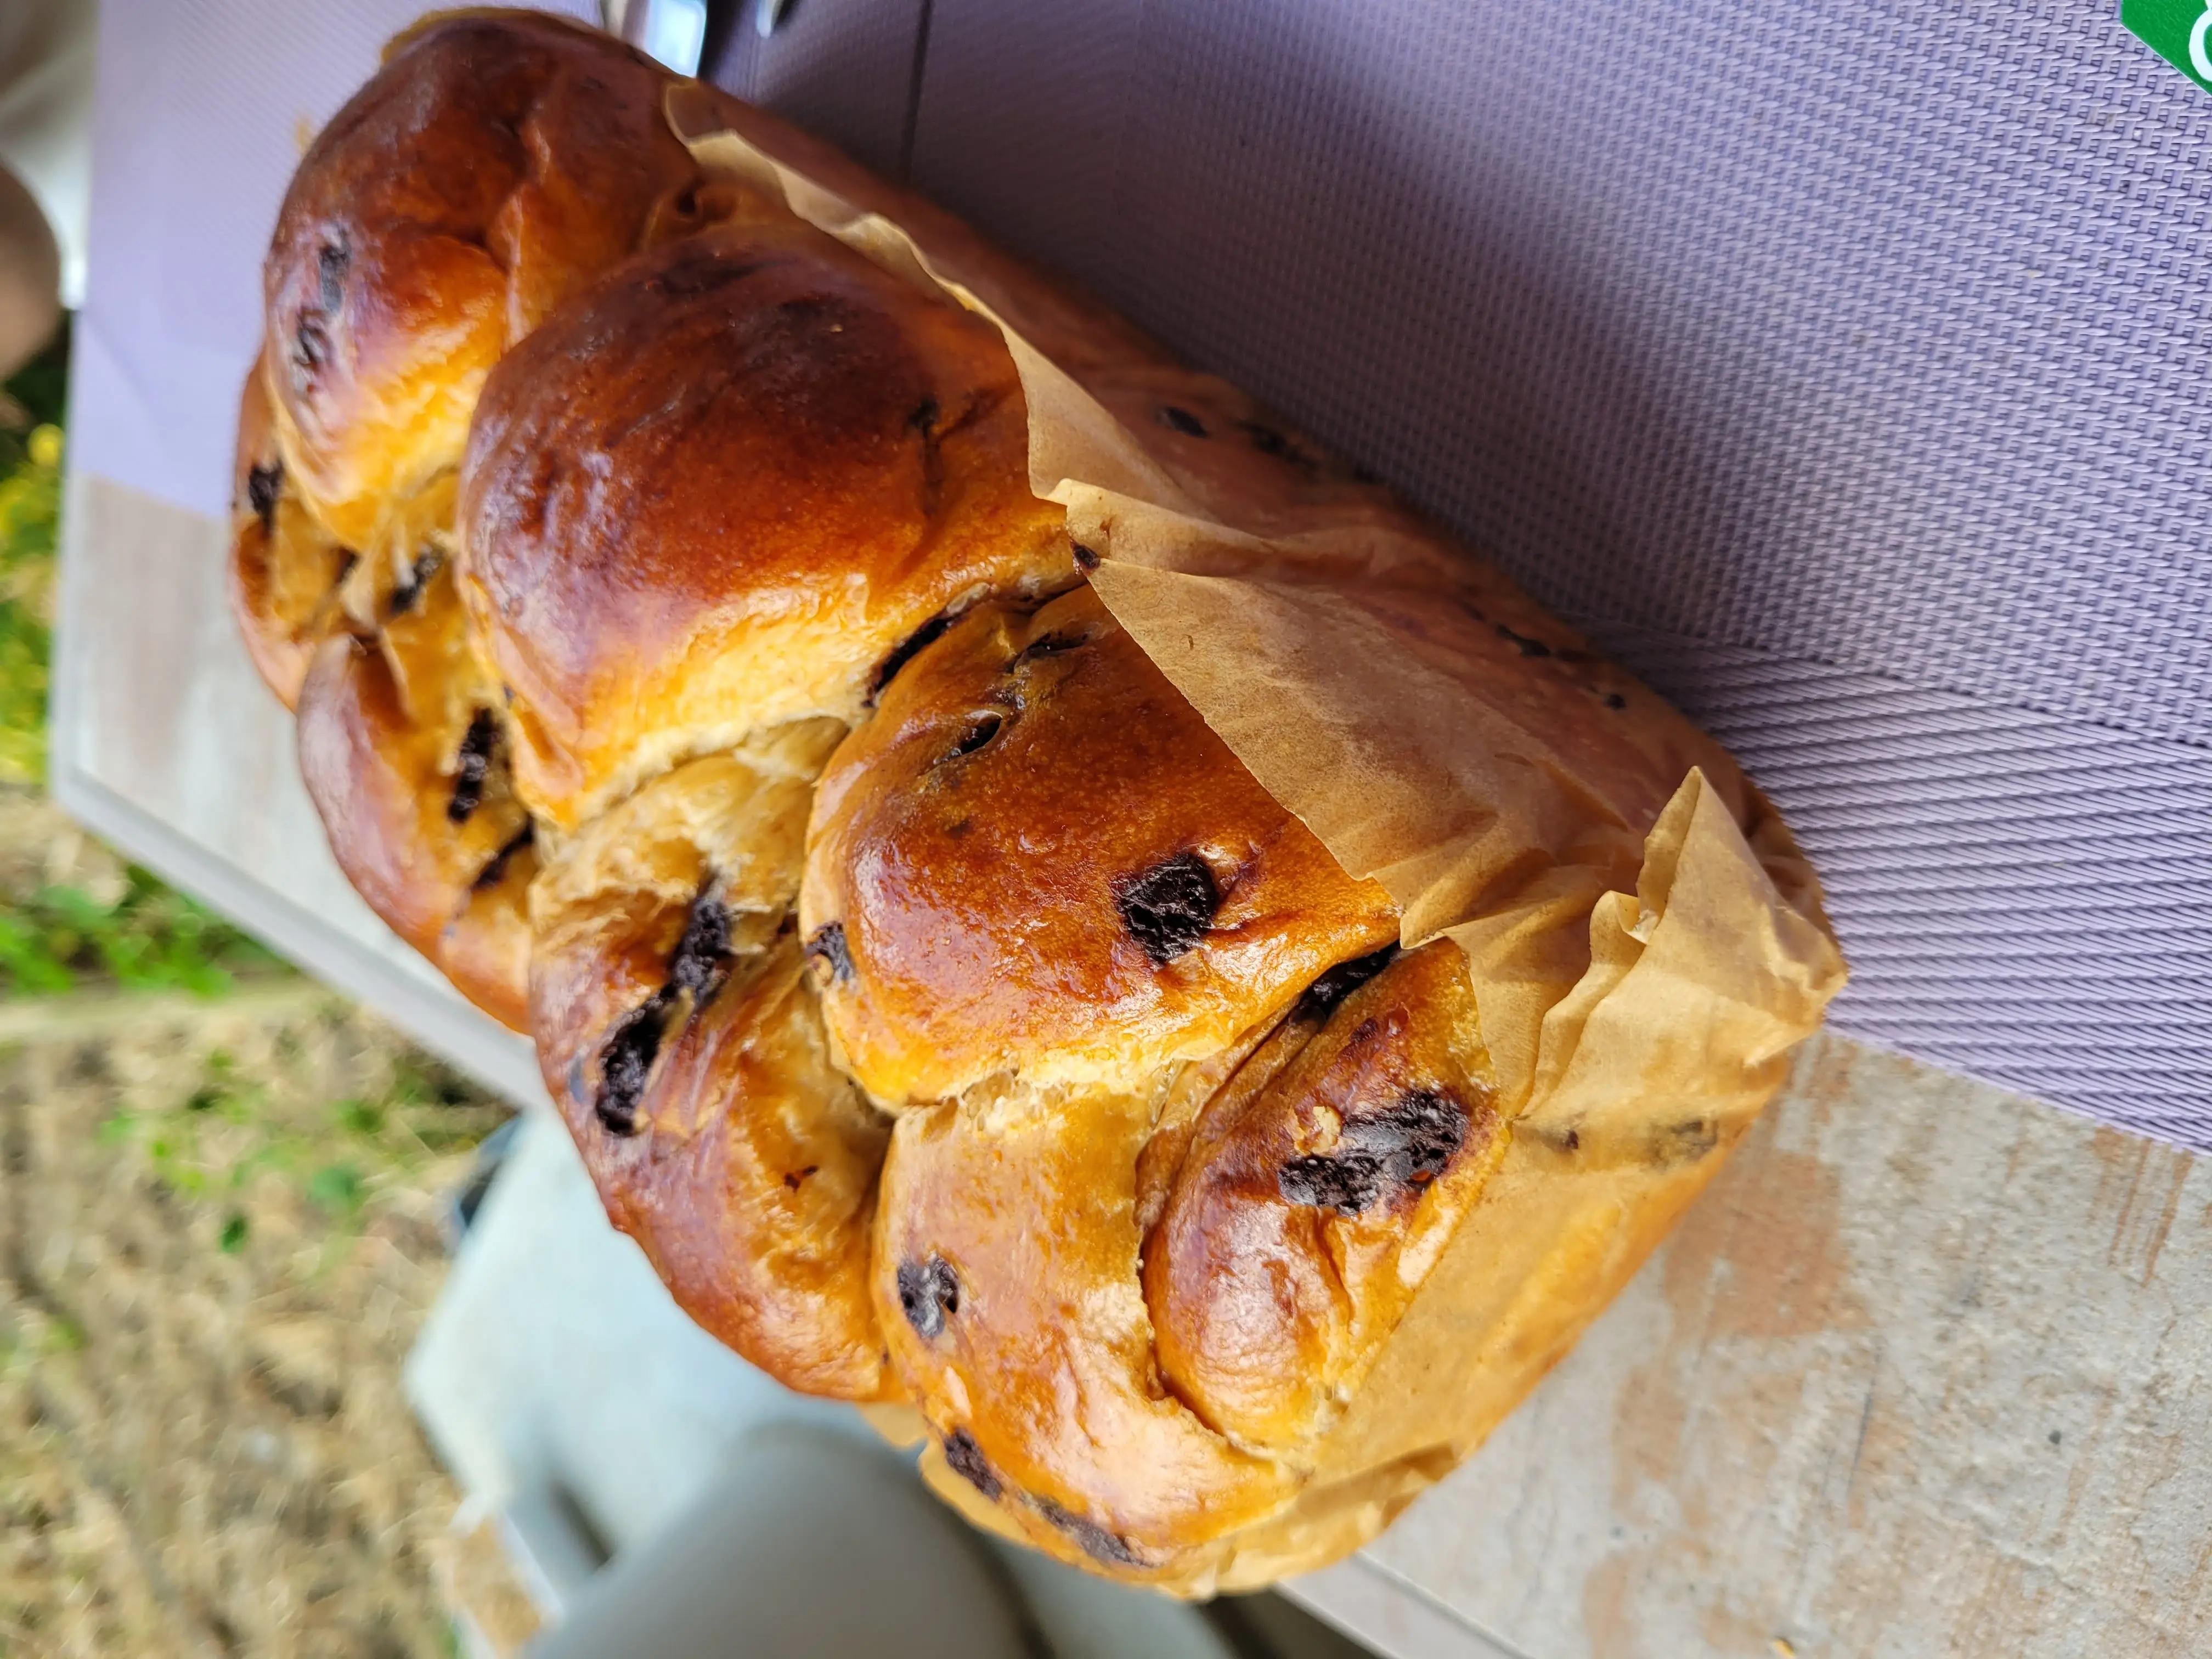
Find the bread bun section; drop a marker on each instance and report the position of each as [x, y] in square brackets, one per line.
[720, 489]
[1042, 898]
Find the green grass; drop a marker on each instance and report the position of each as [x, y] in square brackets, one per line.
[147, 937]
[150, 939]
[208, 1145]
[30, 517]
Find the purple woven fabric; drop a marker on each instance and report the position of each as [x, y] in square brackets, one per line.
[1843, 366]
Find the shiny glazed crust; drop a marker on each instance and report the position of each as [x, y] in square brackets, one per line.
[1035, 858]
[493, 166]
[943, 1007]
[683, 1045]
[720, 489]
[496, 162]
[285, 566]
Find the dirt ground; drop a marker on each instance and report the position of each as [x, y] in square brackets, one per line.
[220, 1225]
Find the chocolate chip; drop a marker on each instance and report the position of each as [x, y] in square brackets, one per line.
[905, 650]
[1523, 644]
[1182, 420]
[1268, 441]
[331, 263]
[1097, 1542]
[1615, 700]
[1346, 1184]
[262, 486]
[490, 874]
[472, 767]
[1405, 1146]
[626, 1063]
[928, 1292]
[923, 422]
[702, 959]
[311, 343]
[1085, 558]
[702, 272]
[408, 591]
[1321, 996]
[1052, 645]
[978, 732]
[828, 945]
[967, 1461]
[1169, 907]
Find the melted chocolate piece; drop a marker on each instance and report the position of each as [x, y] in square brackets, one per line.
[1523, 644]
[331, 263]
[698, 965]
[702, 273]
[928, 1291]
[1403, 1148]
[1615, 700]
[1052, 645]
[701, 960]
[1321, 996]
[923, 422]
[626, 1063]
[1097, 1543]
[828, 945]
[1085, 558]
[490, 874]
[1182, 420]
[311, 343]
[906, 650]
[980, 730]
[408, 593]
[262, 486]
[1270, 442]
[472, 767]
[1169, 907]
[967, 1461]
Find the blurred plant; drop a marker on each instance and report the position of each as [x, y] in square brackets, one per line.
[32, 403]
[343, 1155]
[30, 516]
[148, 938]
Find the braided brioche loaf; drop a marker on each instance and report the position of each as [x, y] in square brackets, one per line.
[684, 663]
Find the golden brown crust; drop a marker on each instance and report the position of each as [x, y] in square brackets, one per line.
[719, 490]
[284, 568]
[1006, 1279]
[1200, 1241]
[403, 758]
[1036, 858]
[1318, 1187]
[495, 163]
[683, 1044]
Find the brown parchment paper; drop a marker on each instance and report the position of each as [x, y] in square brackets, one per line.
[1646, 941]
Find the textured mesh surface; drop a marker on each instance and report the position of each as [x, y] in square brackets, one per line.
[1843, 366]
[840, 68]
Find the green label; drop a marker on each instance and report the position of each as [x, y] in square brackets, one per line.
[2179, 31]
